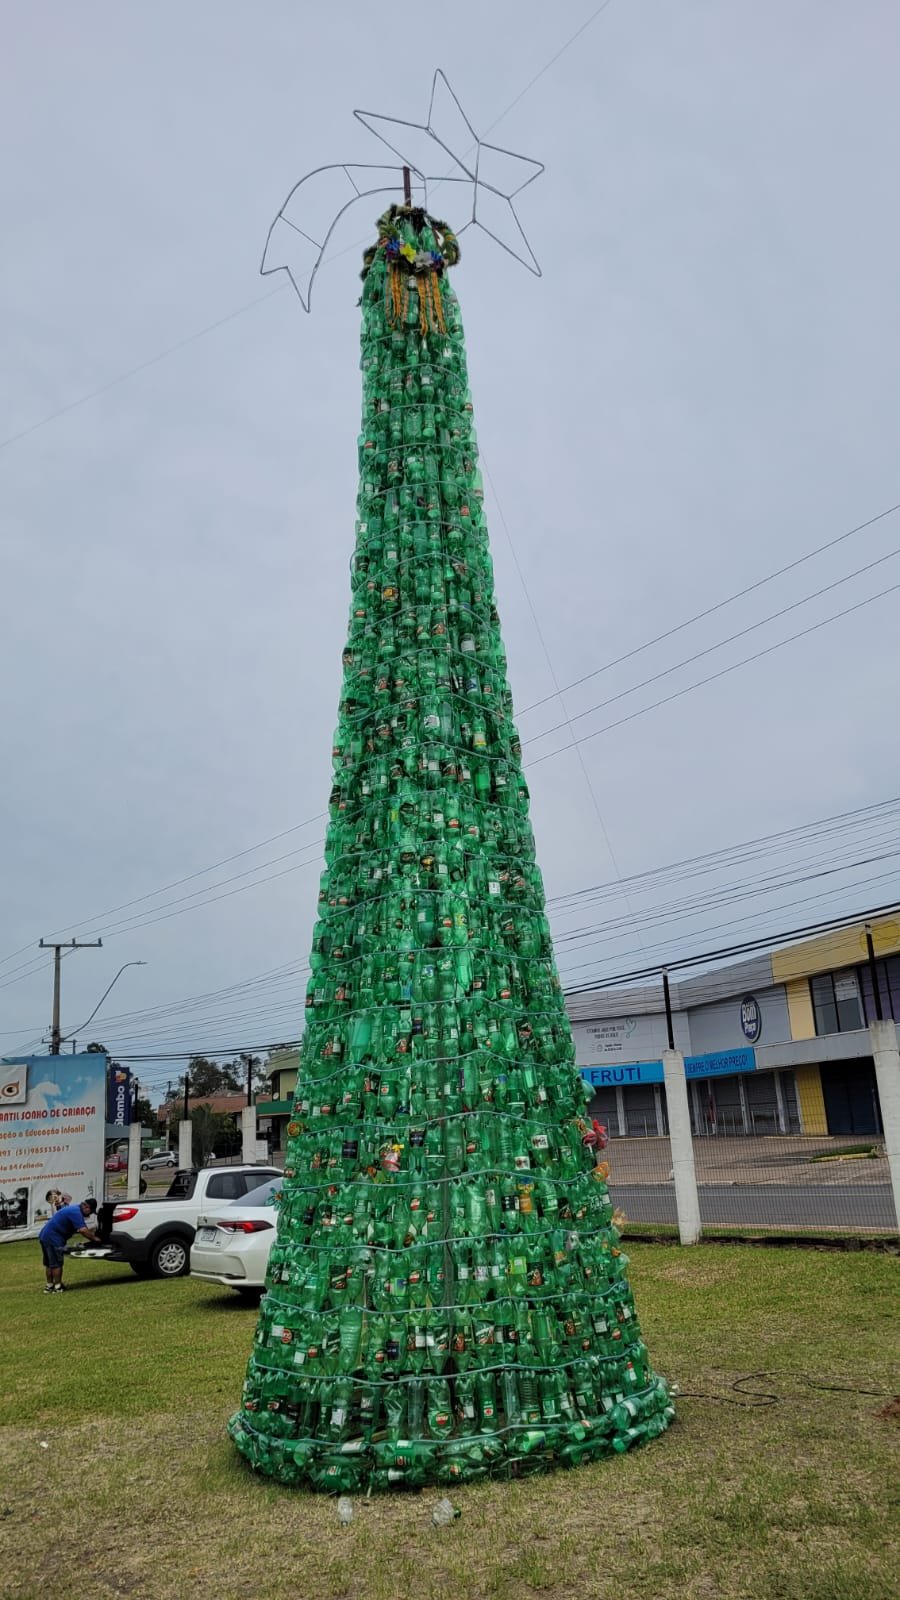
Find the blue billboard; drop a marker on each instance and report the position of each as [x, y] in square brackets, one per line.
[119, 1096]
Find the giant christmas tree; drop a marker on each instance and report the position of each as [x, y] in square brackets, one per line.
[447, 1296]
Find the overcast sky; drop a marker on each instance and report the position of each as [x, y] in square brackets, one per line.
[702, 386]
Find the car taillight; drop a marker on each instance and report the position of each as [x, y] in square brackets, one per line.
[243, 1227]
[124, 1213]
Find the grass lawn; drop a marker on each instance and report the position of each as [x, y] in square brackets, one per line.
[138, 1492]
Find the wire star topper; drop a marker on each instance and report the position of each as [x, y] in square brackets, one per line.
[305, 223]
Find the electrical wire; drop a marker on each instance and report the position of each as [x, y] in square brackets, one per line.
[177, 883]
[881, 814]
[636, 975]
[550, 667]
[709, 611]
[141, 366]
[720, 645]
[765, 1397]
[711, 678]
[249, 305]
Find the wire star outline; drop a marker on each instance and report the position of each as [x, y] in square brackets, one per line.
[330, 182]
[473, 173]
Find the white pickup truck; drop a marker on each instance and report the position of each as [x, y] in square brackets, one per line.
[155, 1236]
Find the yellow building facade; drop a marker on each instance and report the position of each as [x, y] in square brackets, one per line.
[829, 988]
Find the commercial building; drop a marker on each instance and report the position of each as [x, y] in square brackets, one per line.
[775, 1045]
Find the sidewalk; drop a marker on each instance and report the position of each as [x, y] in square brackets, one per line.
[786, 1161]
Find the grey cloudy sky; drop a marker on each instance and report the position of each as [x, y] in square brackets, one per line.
[702, 387]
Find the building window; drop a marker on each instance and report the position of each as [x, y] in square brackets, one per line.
[889, 985]
[836, 1002]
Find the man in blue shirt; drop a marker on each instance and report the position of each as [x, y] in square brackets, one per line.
[55, 1235]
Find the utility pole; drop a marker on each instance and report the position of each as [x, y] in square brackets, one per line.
[187, 1094]
[873, 974]
[250, 1061]
[68, 944]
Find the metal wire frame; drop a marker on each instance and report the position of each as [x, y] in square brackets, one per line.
[472, 177]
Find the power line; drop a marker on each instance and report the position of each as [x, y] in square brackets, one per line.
[191, 877]
[595, 801]
[239, 311]
[713, 676]
[578, 939]
[142, 366]
[808, 930]
[699, 616]
[551, 63]
[875, 816]
[708, 650]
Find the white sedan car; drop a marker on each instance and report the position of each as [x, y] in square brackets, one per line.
[231, 1245]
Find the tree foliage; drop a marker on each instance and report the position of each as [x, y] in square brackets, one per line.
[209, 1078]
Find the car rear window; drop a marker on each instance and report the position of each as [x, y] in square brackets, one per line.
[262, 1195]
[225, 1186]
[182, 1186]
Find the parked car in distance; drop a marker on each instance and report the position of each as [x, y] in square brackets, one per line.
[115, 1163]
[165, 1158]
[231, 1246]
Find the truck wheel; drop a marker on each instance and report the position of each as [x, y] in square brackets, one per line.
[141, 1269]
[169, 1258]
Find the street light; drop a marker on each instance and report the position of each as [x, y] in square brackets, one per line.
[90, 1019]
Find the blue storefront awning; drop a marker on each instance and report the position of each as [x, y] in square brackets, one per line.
[718, 1064]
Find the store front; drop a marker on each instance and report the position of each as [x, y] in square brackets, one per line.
[630, 1100]
[851, 1097]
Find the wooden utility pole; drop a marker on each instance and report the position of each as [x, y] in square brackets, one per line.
[67, 944]
[407, 187]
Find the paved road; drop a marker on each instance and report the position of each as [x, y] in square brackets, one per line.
[765, 1205]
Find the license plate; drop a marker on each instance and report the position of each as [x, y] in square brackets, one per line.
[207, 1235]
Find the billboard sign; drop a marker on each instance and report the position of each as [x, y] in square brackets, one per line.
[119, 1098]
[52, 1132]
[717, 1064]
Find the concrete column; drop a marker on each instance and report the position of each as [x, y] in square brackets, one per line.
[185, 1143]
[687, 1202]
[887, 1075]
[657, 1102]
[745, 1113]
[133, 1181]
[779, 1102]
[249, 1143]
[699, 1123]
[620, 1111]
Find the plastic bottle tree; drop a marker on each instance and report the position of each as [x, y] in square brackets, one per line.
[447, 1295]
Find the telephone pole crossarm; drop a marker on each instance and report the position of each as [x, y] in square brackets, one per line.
[66, 944]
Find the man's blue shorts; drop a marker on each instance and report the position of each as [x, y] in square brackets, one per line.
[54, 1255]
